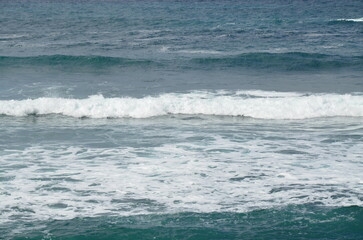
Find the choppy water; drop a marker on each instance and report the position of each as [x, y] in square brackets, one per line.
[181, 120]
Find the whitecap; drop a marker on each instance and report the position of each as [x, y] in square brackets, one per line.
[255, 104]
[351, 19]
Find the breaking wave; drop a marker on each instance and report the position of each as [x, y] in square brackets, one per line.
[255, 104]
[351, 19]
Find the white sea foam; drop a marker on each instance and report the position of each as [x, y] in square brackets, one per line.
[237, 173]
[351, 19]
[259, 93]
[11, 36]
[255, 104]
[164, 49]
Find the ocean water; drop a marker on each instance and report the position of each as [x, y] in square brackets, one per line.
[181, 119]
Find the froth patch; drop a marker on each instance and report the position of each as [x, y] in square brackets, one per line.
[255, 104]
[351, 19]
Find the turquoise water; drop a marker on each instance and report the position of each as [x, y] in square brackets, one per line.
[303, 222]
[181, 119]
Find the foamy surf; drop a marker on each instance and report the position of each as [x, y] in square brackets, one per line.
[351, 19]
[255, 104]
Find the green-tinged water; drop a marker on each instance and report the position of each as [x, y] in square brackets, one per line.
[293, 222]
[291, 61]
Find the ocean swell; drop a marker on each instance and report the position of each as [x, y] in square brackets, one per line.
[71, 61]
[293, 61]
[255, 104]
[289, 61]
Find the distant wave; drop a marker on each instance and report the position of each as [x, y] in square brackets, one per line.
[190, 51]
[71, 61]
[351, 19]
[209, 52]
[293, 61]
[283, 61]
[255, 104]
[4, 37]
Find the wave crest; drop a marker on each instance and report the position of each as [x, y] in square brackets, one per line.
[255, 104]
[351, 19]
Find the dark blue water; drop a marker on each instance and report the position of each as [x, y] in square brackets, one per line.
[181, 119]
[169, 46]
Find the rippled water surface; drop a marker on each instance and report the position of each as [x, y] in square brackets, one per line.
[181, 119]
